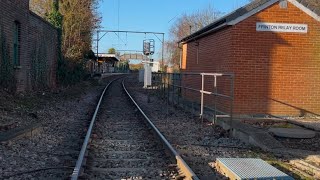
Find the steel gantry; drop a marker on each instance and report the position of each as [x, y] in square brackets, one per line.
[105, 32]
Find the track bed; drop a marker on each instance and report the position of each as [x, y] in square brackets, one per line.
[123, 146]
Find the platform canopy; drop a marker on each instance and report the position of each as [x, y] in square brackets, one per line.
[104, 57]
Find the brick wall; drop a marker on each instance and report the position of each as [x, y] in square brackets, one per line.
[12, 11]
[44, 37]
[276, 73]
[209, 54]
[33, 32]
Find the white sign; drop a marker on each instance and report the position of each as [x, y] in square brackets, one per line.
[282, 27]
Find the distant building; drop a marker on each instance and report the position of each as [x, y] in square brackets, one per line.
[30, 46]
[107, 63]
[273, 49]
[155, 67]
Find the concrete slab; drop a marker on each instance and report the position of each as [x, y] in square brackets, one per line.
[293, 133]
[313, 124]
[265, 141]
[251, 135]
[20, 132]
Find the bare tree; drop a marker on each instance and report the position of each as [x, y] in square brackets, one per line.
[184, 26]
[315, 3]
[80, 20]
[40, 7]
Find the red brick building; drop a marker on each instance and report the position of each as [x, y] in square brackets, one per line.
[30, 44]
[273, 49]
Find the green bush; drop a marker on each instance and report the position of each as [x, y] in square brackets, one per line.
[70, 72]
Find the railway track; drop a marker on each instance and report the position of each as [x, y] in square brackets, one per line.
[122, 143]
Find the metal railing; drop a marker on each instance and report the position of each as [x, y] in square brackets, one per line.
[179, 88]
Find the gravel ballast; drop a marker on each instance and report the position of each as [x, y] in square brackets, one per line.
[50, 153]
[198, 143]
[123, 146]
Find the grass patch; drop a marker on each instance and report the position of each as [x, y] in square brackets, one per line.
[286, 168]
[33, 101]
[283, 125]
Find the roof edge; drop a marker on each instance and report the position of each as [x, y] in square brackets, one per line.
[42, 19]
[305, 9]
[205, 29]
[211, 27]
[252, 12]
[190, 38]
[224, 19]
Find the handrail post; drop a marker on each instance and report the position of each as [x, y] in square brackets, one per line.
[231, 103]
[202, 89]
[174, 84]
[215, 100]
[168, 89]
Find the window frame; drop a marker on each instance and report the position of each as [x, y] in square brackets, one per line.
[17, 44]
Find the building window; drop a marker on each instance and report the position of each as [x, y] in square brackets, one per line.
[283, 4]
[16, 43]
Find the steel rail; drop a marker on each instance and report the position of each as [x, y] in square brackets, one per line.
[77, 169]
[184, 167]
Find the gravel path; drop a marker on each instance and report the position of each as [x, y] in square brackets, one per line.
[312, 144]
[123, 146]
[198, 143]
[51, 153]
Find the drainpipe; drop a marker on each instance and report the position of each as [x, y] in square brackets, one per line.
[180, 55]
[197, 45]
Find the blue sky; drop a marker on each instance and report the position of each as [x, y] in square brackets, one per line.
[149, 15]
